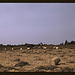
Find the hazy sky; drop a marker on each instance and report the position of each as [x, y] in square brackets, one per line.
[50, 23]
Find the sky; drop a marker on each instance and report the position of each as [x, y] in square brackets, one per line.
[49, 23]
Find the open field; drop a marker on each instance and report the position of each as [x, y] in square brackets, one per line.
[37, 60]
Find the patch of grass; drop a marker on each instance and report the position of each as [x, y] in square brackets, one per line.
[71, 55]
[21, 64]
[59, 51]
[47, 67]
[39, 59]
[62, 56]
[2, 69]
[64, 53]
[24, 52]
[1, 66]
[71, 61]
[52, 67]
[73, 69]
[17, 59]
[43, 67]
[19, 55]
[67, 69]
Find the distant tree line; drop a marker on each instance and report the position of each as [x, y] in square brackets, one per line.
[21, 45]
[32, 45]
[72, 42]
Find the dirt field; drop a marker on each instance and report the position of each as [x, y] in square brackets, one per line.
[37, 60]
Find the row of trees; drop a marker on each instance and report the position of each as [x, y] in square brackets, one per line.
[26, 44]
[72, 42]
[66, 42]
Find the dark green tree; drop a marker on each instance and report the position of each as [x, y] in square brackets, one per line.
[66, 42]
[72, 42]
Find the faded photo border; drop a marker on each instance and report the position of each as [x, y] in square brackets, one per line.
[36, 1]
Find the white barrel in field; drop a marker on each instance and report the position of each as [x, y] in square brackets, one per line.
[20, 48]
[44, 47]
[28, 48]
[5, 49]
[12, 49]
[57, 47]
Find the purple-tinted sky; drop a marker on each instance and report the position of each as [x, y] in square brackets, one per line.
[50, 23]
